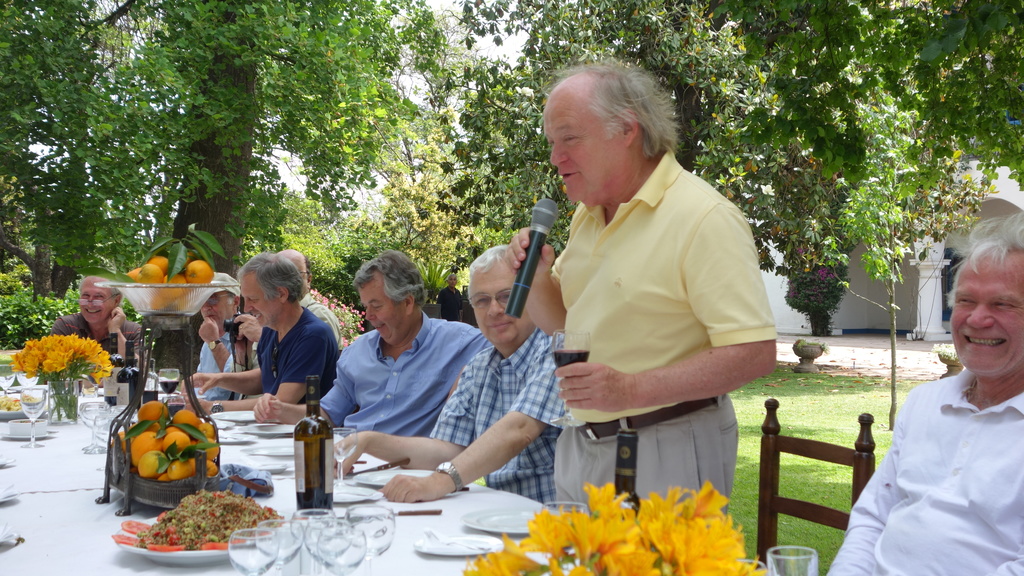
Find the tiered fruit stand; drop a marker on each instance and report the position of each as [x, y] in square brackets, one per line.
[163, 307]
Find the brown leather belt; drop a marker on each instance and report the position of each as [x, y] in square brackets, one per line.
[595, 430]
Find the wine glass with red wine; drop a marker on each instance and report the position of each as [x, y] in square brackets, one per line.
[169, 378]
[569, 346]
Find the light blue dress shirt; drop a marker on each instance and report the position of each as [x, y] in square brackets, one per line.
[208, 365]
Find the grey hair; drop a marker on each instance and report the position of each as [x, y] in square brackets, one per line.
[625, 93]
[274, 271]
[486, 261]
[401, 277]
[991, 241]
[113, 291]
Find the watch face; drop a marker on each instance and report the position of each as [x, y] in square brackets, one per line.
[217, 409]
[213, 344]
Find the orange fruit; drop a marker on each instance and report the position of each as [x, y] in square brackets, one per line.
[199, 272]
[177, 438]
[144, 442]
[208, 430]
[161, 262]
[212, 452]
[178, 278]
[134, 274]
[149, 464]
[165, 477]
[180, 469]
[211, 469]
[187, 417]
[152, 410]
[151, 274]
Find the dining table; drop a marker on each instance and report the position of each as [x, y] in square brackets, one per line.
[66, 532]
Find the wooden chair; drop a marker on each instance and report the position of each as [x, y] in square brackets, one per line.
[770, 504]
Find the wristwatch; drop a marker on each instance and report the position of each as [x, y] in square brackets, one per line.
[449, 469]
[217, 408]
[212, 345]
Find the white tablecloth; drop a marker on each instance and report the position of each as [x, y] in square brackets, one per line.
[67, 533]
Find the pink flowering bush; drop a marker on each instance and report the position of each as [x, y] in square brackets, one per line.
[350, 318]
[817, 293]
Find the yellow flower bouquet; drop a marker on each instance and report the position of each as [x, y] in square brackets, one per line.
[58, 360]
[684, 533]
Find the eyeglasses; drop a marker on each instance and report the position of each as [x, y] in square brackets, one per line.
[483, 301]
[93, 301]
[213, 300]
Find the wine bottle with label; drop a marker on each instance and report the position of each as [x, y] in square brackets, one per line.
[128, 377]
[110, 385]
[625, 466]
[314, 453]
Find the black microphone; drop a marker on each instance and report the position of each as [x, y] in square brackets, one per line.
[544, 214]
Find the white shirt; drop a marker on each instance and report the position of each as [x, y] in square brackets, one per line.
[948, 498]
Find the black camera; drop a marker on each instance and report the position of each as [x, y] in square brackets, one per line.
[231, 327]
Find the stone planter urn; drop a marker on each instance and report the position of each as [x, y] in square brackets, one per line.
[807, 352]
[948, 356]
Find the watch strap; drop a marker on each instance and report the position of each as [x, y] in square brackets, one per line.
[453, 473]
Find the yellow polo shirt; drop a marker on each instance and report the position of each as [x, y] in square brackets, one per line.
[675, 272]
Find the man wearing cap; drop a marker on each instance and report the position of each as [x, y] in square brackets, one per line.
[216, 354]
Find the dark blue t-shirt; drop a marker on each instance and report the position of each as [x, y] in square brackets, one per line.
[308, 348]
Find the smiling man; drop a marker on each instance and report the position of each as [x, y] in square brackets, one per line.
[99, 316]
[395, 378]
[293, 343]
[496, 421]
[948, 496]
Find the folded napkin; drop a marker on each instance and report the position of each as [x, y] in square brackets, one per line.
[245, 480]
[9, 536]
[7, 492]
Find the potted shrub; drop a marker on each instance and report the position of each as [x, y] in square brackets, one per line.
[948, 356]
[434, 276]
[807, 351]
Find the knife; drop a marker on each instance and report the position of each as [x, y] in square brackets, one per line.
[387, 466]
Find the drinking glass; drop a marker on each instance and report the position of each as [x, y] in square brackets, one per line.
[33, 403]
[754, 567]
[378, 524]
[175, 403]
[289, 540]
[568, 347]
[312, 521]
[169, 378]
[6, 377]
[345, 441]
[88, 412]
[792, 561]
[341, 548]
[563, 507]
[252, 550]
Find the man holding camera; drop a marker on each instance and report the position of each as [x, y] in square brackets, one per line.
[217, 355]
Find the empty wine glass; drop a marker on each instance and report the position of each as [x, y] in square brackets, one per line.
[345, 441]
[312, 521]
[378, 524]
[253, 550]
[341, 548]
[33, 403]
[6, 377]
[289, 540]
[568, 347]
[792, 561]
[88, 411]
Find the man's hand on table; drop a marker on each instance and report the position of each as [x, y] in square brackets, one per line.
[418, 489]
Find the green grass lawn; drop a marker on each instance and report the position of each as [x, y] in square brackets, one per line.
[820, 406]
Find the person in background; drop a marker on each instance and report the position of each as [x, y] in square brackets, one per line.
[450, 301]
[663, 273]
[395, 378]
[948, 496]
[216, 354]
[99, 316]
[294, 343]
[496, 421]
[319, 310]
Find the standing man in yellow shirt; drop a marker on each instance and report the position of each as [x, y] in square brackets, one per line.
[662, 271]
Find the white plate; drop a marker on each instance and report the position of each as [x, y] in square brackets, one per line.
[451, 547]
[183, 558]
[225, 425]
[39, 436]
[6, 462]
[239, 417]
[16, 415]
[502, 521]
[272, 451]
[268, 430]
[381, 477]
[232, 440]
[345, 494]
[272, 467]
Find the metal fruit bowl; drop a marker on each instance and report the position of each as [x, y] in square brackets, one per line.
[178, 300]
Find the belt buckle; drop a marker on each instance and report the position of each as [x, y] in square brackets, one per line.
[589, 432]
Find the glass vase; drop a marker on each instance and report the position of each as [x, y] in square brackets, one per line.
[63, 402]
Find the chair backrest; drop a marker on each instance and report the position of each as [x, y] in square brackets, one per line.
[770, 504]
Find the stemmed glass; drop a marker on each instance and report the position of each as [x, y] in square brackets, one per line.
[568, 347]
[289, 540]
[792, 561]
[92, 415]
[345, 442]
[341, 548]
[169, 378]
[311, 521]
[6, 377]
[252, 550]
[33, 403]
[378, 524]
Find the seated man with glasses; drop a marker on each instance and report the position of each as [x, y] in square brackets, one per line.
[496, 423]
[293, 343]
[99, 316]
[217, 355]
